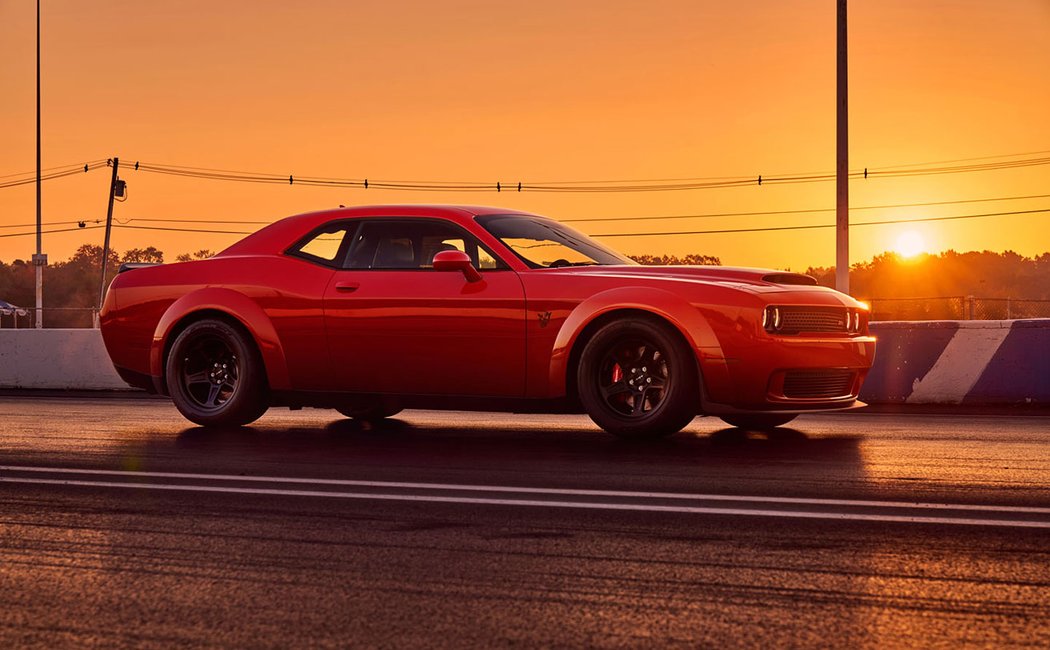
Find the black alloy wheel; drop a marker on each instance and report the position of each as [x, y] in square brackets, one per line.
[637, 379]
[215, 375]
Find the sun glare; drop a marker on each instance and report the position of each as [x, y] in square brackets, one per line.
[910, 244]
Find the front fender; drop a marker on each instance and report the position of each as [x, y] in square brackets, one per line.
[667, 305]
[236, 305]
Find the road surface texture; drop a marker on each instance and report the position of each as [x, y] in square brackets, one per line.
[122, 525]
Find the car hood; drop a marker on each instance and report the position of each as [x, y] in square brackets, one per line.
[757, 280]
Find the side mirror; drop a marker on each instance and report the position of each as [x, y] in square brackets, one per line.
[456, 261]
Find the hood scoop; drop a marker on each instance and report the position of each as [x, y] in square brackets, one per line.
[790, 278]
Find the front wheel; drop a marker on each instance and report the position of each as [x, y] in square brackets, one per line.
[637, 378]
[215, 375]
[757, 421]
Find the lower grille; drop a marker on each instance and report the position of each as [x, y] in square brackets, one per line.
[818, 384]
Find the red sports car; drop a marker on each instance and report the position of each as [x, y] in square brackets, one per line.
[373, 309]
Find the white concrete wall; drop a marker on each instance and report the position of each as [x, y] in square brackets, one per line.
[58, 359]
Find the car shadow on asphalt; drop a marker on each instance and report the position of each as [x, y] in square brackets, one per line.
[399, 442]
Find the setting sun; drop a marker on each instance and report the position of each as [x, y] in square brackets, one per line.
[910, 244]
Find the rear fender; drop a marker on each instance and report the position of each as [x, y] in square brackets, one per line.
[237, 306]
[660, 303]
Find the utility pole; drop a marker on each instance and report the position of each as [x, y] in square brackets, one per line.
[39, 260]
[109, 226]
[842, 164]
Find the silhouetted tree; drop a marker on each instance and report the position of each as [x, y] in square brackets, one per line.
[692, 259]
[202, 254]
[149, 255]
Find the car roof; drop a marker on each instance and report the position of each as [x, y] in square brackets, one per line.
[280, 234]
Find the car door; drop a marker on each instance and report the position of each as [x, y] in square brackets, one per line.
[397, 326]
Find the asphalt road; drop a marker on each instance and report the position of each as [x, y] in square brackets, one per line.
[120, 525]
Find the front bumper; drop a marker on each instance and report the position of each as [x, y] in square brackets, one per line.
[750, 376]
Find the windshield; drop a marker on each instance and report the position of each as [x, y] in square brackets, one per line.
[545, 244]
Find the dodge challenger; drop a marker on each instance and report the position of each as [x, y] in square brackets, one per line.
[370, 310]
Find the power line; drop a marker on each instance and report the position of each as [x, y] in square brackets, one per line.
[625, 234]
[57, 167]
[252, 223]
[170, 229]
[126, 222]
[649, 185]
[67, 171]
[48, 232]
[282, 178]
[821, 225]
[956, 160]
[806, 211]
[46, 223]
[586, 186]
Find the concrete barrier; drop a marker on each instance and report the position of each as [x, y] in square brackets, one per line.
[937, 362]
[1003, 362]
[57, 359]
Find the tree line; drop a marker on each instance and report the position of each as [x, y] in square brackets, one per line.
[73, 285]
[983, 274]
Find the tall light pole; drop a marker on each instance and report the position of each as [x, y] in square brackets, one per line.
[39, 260]
[842, 164]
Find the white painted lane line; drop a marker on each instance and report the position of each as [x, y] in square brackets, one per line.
[635, 507]
[860, 503]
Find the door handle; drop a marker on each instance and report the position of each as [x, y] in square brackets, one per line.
[347, 287]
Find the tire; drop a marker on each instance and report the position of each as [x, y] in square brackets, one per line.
[757, 421]
[370, 411]
[216, 376]
[637, 379]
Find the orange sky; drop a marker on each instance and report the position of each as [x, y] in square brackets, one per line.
[532, 91]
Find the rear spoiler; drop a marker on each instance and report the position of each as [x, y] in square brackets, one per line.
[131, 266]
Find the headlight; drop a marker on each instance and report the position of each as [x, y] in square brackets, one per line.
[853, 321]
[771, 319]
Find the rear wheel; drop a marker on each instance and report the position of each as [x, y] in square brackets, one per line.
[215, 375]
[758, 421]
[638, 379]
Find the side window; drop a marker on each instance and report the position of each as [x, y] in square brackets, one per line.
[323, 246]
[412, 244]
[487, 261]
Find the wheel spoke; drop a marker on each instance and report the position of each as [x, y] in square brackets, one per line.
[639, 402]
[200, 377]
[617, 388]
[213, 394]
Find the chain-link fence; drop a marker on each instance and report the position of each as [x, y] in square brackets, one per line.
[957, 308]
